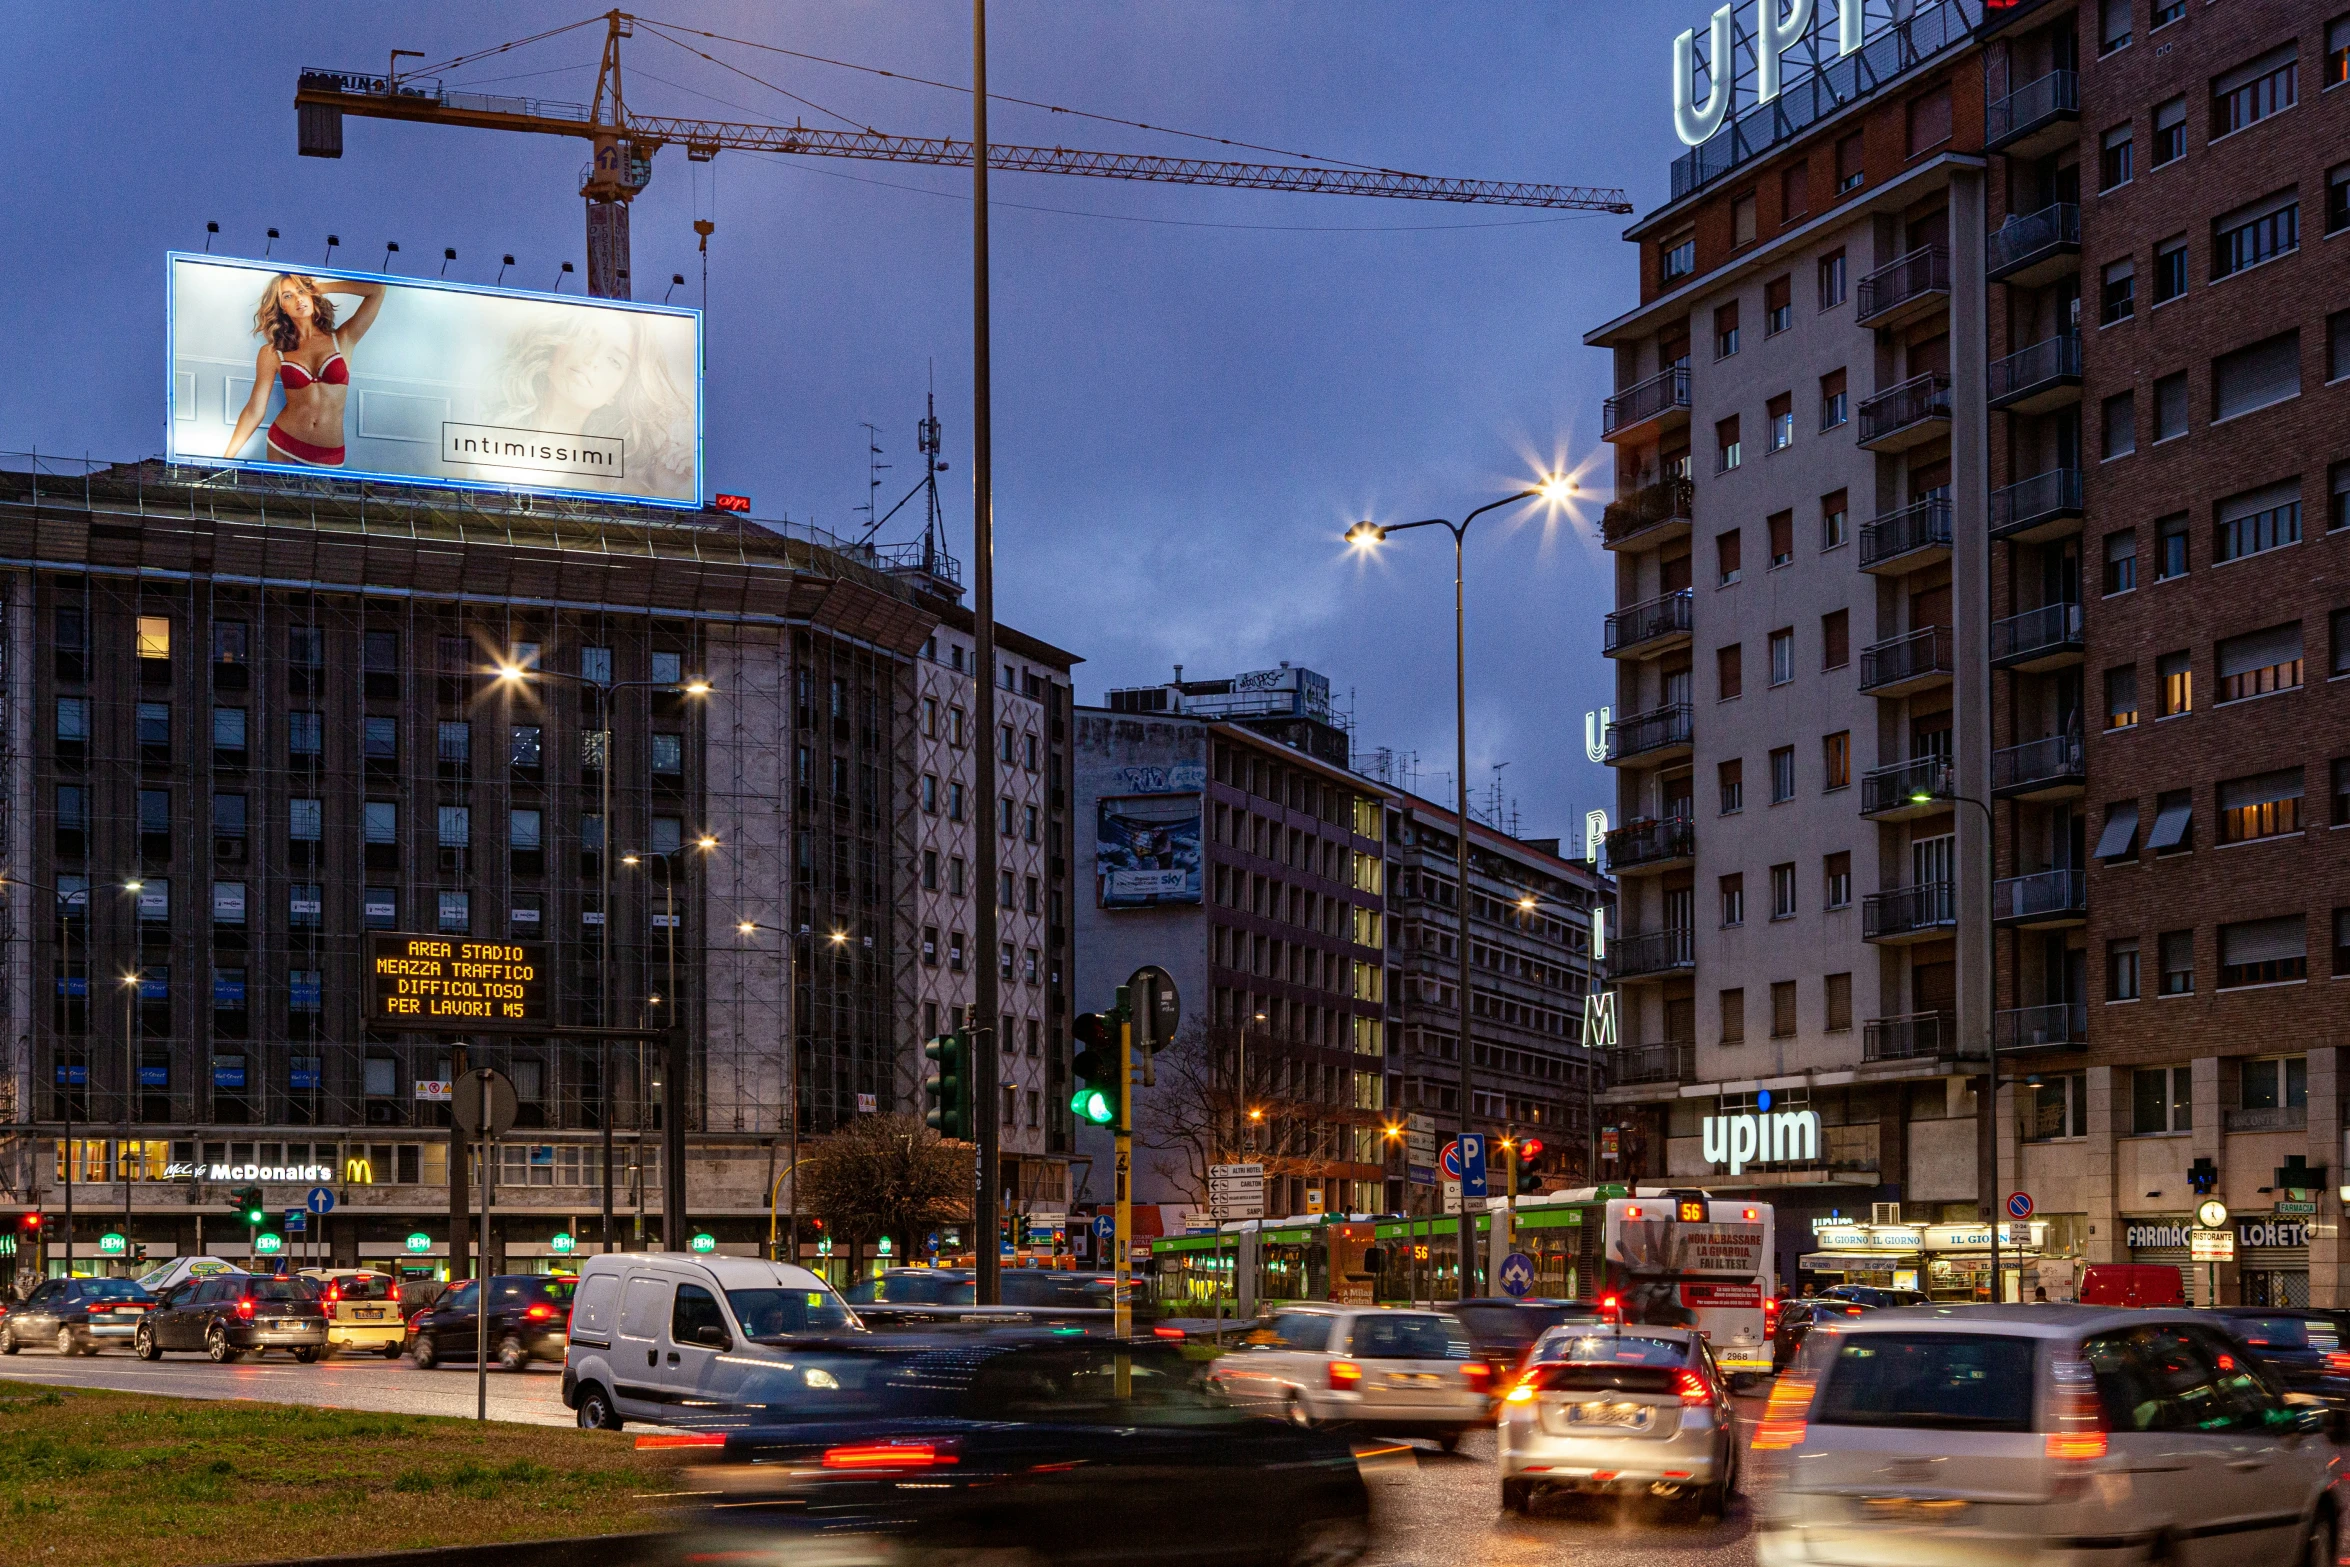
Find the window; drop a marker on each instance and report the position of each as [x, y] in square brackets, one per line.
[2253, 91]
[1783, 1009]
[2335, 70]
[2175, 673]
[667, 835]
[2170, 131]
[524, 830]
[1835, 639]
[1836, 761]
[456, 913]
[2263, 952]
[379, 821]
[1835, 520]
[668, 756]
[1782, 774]
[954, 801]
[2339, 630]
[1781, 528]
[1836, 880]
[1782, 644]
[2271, 1082]
[2258, 232]
[1734, 1017]
[2121, 425]
[2174, 822]
[2338, 496]
[1726, 330]
[526, 746]
[456, 826]
[303, 732]
[379, 740]
[2260, 662]
[1742, 219]
[2059, 1107]
[2256, 375]
[1835, 402]
[2170, 406]
[2266, 805]
[1680, 257]
[2341, 792]
[1851, 166]
[2165, 13]
[1731, 776]
[2342, 943]
[1794, 191]
[303, 821]
[2162, 1098]
[1733, 890]
[154, 636]
[456, 745]
[2121, 697]
[1726, 452]
[2170, 269]
[2258, 520]
[1783, 892]
[153, 724]
[1729, 554]
[228, 903]
[305, 905]
[380, 908]
[1730, 672]
[1832, 280]
[1929, 120]
[2118, 298]
[2121, 969]
[2170, 546]
[2338, 345]
[668, 669]
[1781, 410]
[2117, 158]
[2338, 198]
[2113, 25]
[2121, 561]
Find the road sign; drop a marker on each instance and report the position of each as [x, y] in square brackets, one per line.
[1451, 1161]
[2212, 1214]
[454, 985]
[320, 1200]
[1105, 1225]
[1452, 1196]
[297, 1221]
[483, 1104]
[2019, 1205]
[434, 1090]
[1517, 1274]
[1236, 1191]
[1472, 1158]
[1158, 1009]
[1420, 1147]
[2211, 1245]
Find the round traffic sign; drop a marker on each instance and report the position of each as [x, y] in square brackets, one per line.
[1517, 1274]
[1451, 1160]
[2019, 1205]
[2212, 1214]
[320, 1200]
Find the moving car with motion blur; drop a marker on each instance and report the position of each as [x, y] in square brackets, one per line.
[2300, 1349]
[1403, 1373]
[362, 1311]
[2041, 1434]
[1621, 1410]
[231, 1315]
[906, 1297]
[887, 1448]
[76, 1316]
[1503, 1329]
[529, 1318]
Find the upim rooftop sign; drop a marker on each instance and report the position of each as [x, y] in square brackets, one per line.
[1761, 1136]
[1780, 26]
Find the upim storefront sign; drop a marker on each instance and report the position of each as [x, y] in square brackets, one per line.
[1761, 1136]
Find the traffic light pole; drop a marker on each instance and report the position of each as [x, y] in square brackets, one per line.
[1122, 1300]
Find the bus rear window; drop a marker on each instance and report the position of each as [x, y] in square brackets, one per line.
[1929, 1381]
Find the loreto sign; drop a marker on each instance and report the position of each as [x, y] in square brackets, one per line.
[1761, 1136]
[369, 376]
[454, 985]
[1781, 28]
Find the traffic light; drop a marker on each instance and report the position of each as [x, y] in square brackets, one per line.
[1100, 1094]
[246, 1200]
[946, 1087]
[1529, 1165]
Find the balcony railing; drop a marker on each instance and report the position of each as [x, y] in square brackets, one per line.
[1912, 656]
[1897, 787]
[2052, 100]
[1899, 415]
[1915, 1036]
[1658, 952]
[2050, 896]
[1651, 620]
[2031, 374]
[1663, 393]
[2031, 242]
[1650, 506]
[2038, 764]
[2279, 1118]
[1906, 911]
[1658, 729]
[1649, 840]
[1674, 1061]
[2036, 504]
[1905, 283]
[1921, 525]
[2036, 635]
[2061, 1025]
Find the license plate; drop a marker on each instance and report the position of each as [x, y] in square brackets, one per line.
[1414, 1378]
[1633, 1417]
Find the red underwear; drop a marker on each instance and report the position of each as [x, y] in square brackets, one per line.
[303, 451]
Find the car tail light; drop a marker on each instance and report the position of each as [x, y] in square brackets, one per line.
[538, 1313]
[887, 1455]
[1477, 1372]
[2077, 1416]
[654, 1439]
[1522, 1391]
[2338, 1363]
[1345, 1375]
[1691, 1387]
[334, 1292]
[244, 1305]
[1611, 1308]
[1164, 1331]
[1784, 1417]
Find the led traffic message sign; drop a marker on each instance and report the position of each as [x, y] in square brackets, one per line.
[455, 985]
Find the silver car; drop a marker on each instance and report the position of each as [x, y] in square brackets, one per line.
[2040, 1434]
[1628, 1410]
[1407, 1373]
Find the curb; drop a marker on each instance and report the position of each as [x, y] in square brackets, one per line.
[611, 1550]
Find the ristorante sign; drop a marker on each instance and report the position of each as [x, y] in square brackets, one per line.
[1780, 28]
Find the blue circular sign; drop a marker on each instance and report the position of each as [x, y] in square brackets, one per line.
[320, 1200]
[1517, 1274]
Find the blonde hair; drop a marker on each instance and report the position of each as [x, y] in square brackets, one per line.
[647, 412]
[283, 331]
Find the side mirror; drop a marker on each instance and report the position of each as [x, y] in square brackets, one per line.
[712, 1334]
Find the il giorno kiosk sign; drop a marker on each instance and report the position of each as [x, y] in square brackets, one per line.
[452, 985]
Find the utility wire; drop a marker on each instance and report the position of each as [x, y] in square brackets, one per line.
[456, 60]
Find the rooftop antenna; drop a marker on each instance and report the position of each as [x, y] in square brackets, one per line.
[874, 469]
[272, 241]
[448, 254]
[926, 437]
[210, 229]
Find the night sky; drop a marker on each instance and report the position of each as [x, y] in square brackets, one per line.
[1195, 390]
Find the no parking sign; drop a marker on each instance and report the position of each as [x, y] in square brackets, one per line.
[2019, 1205]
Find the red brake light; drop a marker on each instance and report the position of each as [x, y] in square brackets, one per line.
[1163, 1331]
[1476, 1371]
[1691, 1387]
[1610, 1307]
[244, 1305]
[538, 1313]
[334, 1291]
[2338, 1363]
[2078, 1413]
[1345, 1375]
[885, 1455]
[655, 1439]
[1784, 1417]
[1632, 1213]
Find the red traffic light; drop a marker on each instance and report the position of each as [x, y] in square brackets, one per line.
[31, 1221]
[1530, 1149]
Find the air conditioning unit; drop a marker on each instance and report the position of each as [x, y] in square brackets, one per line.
[1884, 1213]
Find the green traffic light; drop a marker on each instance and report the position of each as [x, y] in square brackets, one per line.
[1091, 1104]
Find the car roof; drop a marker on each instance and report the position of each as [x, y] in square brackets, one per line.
[728, 1272]
[1568, 1330]
[2039, 1321]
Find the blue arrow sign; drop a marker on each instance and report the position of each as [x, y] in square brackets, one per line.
[320, 1200]
[1105, 1225]
[1472, 1146]
[296, 1221]
[1517, 1274]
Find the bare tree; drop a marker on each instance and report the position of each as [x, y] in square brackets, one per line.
[1199, 1111]
[887, 1175]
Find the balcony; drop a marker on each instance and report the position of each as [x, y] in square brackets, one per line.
[2042, 900]
[1653, 956]
[2034, 248]
[2032, 511]
[1648, 627]
[2036, 118]
[1915, 1036]
[1639, 412]
[1652, 844]
[1651, 515]
[1905, 289]
[1890, 794]
[1658, 735]
[1907, 415]
[1674, 1061]
[1909, 914]
[2276, 1118]
[1916, 535]
[2038, 640]
[1914, 661]
[2059, 1026]
[2035, 379]
[2054, 767]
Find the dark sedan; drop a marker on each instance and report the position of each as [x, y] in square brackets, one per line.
[2300, 1349]
[530, 1319]
[233, 1315]
[1502, 1330]
[1060, 1449]
[76, 1316]
[928, 1297]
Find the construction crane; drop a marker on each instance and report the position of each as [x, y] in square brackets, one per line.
[623, 144]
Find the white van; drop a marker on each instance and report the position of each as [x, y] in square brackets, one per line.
[657, 1336]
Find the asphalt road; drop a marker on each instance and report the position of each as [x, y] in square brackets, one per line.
[345, 1382]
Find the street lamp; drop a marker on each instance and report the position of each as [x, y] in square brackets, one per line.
[1927, 796]
[1367, 536]
[838, 939]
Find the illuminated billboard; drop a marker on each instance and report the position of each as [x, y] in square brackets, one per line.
[1147, 851]
[453, 984]
[365, 376]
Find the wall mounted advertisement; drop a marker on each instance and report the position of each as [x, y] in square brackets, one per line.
[1147, 851]
[366, 376]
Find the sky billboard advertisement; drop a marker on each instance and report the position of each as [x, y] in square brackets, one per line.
[1147, 851]
[365, 376]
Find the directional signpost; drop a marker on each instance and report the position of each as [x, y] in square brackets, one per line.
[1236, 1191]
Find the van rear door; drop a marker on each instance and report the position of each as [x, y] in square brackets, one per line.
[636, 1348]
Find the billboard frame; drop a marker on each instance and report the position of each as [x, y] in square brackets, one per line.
[171, 259]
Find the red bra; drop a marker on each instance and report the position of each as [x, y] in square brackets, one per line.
[334, 373]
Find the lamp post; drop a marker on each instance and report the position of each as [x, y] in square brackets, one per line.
[839, 939]
[514, 674]
[1991, 1038]
[1366, 536]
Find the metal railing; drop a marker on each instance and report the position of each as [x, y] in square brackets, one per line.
[2041, 761]
[1919, 525]
[1653, 730]
[1914, 1036]
[1645, 507]
[2027, 503]
[1672, 1061]
[1889, 788]
[1645, 400]
[1634, 624]
[2055, 1026]
[2280, 1118]
[1914, 401]
[2051, 359]
[2039, 894]
[1924, 651]
[1650, 839]
[1657, 952]
[2036, 631]
[1927, 906]
[1925, 270]
[2031, 106]
[2032, 236]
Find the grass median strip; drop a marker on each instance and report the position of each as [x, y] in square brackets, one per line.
[104, 1479]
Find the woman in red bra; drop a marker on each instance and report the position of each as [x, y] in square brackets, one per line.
[303, 351]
